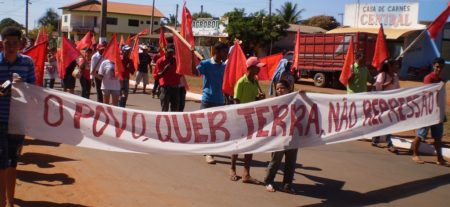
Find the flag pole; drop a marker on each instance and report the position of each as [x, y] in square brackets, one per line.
[196, 53]
[412, 43]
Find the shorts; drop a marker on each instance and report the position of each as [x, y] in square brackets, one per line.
[107, 92]
[10, 148]
[141, 76]
[437, 131]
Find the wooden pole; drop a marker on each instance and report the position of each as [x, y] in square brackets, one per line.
[196, 53]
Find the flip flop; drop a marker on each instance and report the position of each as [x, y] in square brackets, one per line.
[234, 178]
[251, 180]
[418, 160]
[270, 188]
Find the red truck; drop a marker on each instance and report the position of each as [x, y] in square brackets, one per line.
[321, 56]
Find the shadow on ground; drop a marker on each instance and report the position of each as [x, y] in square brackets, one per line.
[54, 179]
[44, 204]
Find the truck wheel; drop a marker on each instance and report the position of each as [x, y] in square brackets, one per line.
[320, 80]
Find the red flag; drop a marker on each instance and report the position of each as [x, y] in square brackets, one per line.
[162, 42]
[296, 50]
[42, 36]
[68, 53]
[184, 56]
[128, 40]
[235, 69]
[38, 53]
[348, 63]
[438, 24]
[186, 25]
[122, 42]
[381, 50]
[93, 39]
[135, 53]
[112, 53]
[271, 61]
[86, 41]
[144, 32]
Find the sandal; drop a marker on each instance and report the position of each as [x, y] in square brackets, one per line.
[234, 177]
[289, 189]
[250, 180]
[270, 188]
[417, 160]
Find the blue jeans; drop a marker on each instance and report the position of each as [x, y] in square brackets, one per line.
[437, 131]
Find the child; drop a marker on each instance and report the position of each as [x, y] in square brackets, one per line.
[282, 87]
[50, 71]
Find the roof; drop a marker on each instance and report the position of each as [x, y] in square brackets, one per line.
[390, 33]
[305, 29]
[113, 7]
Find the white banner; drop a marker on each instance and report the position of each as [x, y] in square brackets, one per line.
[289, 121]
[391, 15]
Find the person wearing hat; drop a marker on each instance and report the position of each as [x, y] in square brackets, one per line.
[128, 70]
[247, 90]
[96, 61]
[169, 81]
[84, 64]
[143, 67]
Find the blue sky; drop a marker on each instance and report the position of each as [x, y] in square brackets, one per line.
[15, 9]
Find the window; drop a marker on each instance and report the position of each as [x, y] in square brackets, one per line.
[155, 23]
[147, 22]
[142, 22]
[111, 20]
[133, 23]
[65, 18]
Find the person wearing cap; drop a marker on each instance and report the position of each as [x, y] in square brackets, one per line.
[169, 81]
[357, 83]
[96, 61]
[247, 90]
[213, 71]
[128, 70]
[84, 64]
[142, 71]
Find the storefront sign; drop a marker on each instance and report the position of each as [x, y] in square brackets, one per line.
[391, 15]
[210, 27]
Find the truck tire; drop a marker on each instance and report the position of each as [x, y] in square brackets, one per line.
[320, 80]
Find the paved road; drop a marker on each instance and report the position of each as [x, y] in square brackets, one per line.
[348, 174]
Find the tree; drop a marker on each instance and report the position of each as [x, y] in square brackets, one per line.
[256, 29]
[201, 15]
[171, 20]
[49, 18]
[290, 13]
[6, 22]
[322, 21]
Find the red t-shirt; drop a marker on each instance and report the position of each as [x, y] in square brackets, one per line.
[432, 78]
[170, 77]
[128, 68]
[85, 68]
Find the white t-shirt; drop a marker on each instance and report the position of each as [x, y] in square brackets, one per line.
[109, 81]
[50, 70]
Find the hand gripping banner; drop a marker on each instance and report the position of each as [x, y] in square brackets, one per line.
[294, 120]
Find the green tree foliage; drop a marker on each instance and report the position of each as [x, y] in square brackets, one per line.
[290, 12]
[201, 15]
[322, 21]
[256, 29]
[49, 18]
[6, 22]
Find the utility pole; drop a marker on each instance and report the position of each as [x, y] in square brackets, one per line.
[342, 18]
[270, 25]
[201, 10]
[103, 21]
[151, 18]
[26, 17]
[176, 17]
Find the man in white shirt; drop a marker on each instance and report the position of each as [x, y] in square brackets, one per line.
[96, 61]
[110, 83]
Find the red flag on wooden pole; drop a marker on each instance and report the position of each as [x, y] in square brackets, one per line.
[271, 62]
[128, 40]
[184, 56]
[236, 67]
[162, 42]
[186, 25]
[38, 54]
[438, 24]
[86, 41]
[381, 50]
[112, 53]
[42, 36]
[134, 55]
[296, 50]
[122, 41]
[346, 72]
[68, 53]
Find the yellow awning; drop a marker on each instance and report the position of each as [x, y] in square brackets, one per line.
[390, 33]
